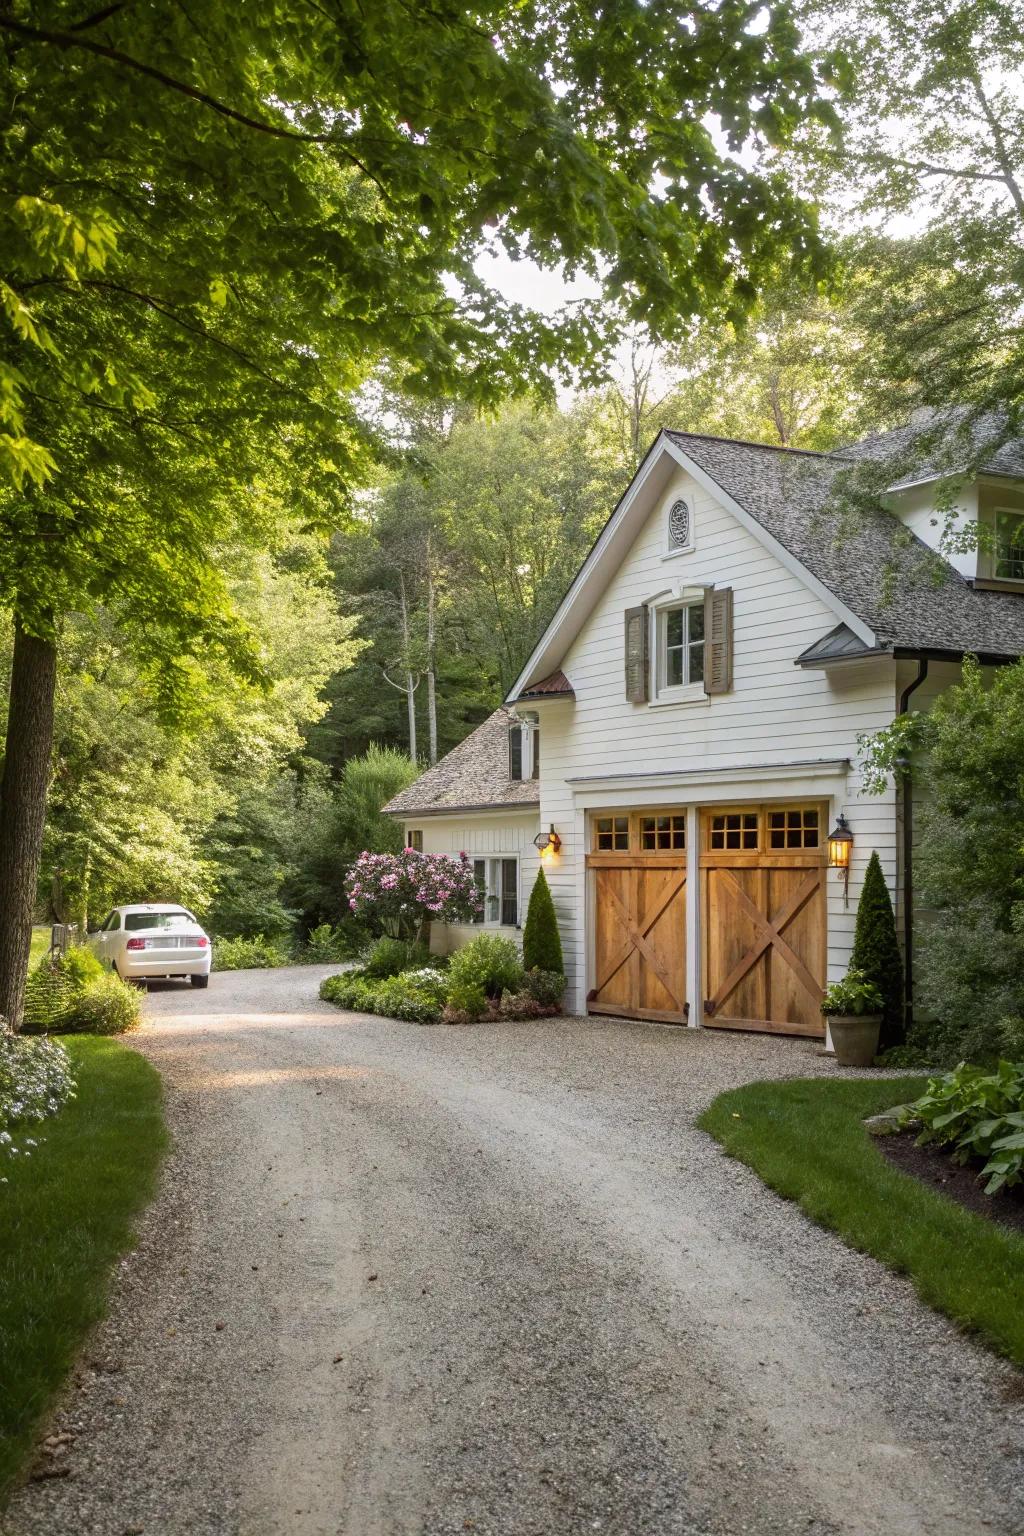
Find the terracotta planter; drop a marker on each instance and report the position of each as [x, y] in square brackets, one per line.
[855, 1037]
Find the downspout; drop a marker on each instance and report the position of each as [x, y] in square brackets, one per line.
[908, 855]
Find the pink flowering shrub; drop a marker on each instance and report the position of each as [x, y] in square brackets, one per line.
[400, 892]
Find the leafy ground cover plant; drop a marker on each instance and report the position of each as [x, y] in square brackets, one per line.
[855, 994]
[977, 1114]
[417, 996]
[36, 1082]
[488, 962]
[257, 953]
[806, 1139]
[67, 1215]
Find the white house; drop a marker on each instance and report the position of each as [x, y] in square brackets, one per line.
[686, 731]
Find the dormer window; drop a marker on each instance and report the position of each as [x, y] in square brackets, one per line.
[524, 749]
[1009, 546]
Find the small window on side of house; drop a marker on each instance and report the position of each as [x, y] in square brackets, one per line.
[414, 840]
[1008, 564]
[498, 883]
[680, 526]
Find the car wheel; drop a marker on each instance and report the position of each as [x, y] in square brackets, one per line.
[199, 981]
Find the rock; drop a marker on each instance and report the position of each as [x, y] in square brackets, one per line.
[890, 1122]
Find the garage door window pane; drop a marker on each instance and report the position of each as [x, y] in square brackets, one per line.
[662, 833]
[735, 829]
[612, 834]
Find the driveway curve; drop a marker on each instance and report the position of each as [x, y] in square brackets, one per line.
[403, 1280]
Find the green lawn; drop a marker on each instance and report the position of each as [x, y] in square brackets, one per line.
[40, 944]
[806, 1140]
[66, 1214]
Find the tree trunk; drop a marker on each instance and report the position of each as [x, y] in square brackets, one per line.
[410, 686]
[26, 779]
[431, 676]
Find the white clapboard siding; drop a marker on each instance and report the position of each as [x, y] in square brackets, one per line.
[488, 833]
[775, 713]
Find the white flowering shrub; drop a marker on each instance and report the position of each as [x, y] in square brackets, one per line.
[35, 1082]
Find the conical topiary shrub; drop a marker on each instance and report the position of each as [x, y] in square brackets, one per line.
[876, 951]
[542, 947]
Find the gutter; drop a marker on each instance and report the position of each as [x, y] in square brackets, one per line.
[908, 856]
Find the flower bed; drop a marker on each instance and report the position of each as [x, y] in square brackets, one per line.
[484, 980]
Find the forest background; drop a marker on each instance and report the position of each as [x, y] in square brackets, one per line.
[383, 643]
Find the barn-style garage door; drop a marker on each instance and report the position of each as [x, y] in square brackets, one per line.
[638, 862]
[764, 917]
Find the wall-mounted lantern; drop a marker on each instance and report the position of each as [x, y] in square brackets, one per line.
[840, 842]
[547, 843]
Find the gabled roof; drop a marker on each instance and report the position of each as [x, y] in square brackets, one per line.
[887, 587]
[473, 776]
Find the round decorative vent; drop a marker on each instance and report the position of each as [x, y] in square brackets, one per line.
[679, 525]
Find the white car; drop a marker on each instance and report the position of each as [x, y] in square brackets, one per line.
[152, 941]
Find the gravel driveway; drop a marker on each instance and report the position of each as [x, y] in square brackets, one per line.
[404, 1280]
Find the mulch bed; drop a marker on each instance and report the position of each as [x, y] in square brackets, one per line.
[936, 1168]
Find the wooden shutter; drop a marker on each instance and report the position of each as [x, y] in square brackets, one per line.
[515, 751]
[718, 645]
[636, 654]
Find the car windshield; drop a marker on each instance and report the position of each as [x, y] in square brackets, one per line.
[135, 920]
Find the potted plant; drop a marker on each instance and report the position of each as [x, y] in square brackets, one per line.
[853, 1011]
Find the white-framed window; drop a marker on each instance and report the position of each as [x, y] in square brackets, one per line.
[678, 650]
[414, 840]
[1008, 550]
[524, 749]
[497, 879]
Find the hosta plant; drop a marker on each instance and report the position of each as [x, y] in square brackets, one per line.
[855, 994]
[978, 1114]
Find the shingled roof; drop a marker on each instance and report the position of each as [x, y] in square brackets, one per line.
[473, 776]
[909, 596]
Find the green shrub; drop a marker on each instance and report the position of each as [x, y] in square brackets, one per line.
[488, 962]
[80, 965]
[73, 994]
[418, 996]
[520, 1005]
[542, 945]
[347, 990]
[389, 956]
[107, 1006]
[325, 945]
[876, 951]
[545, 987]
[257, 953]
[978, 1114]
[466, 1003]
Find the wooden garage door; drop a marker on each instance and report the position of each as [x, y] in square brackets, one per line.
[638, 862]
[764, 917]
